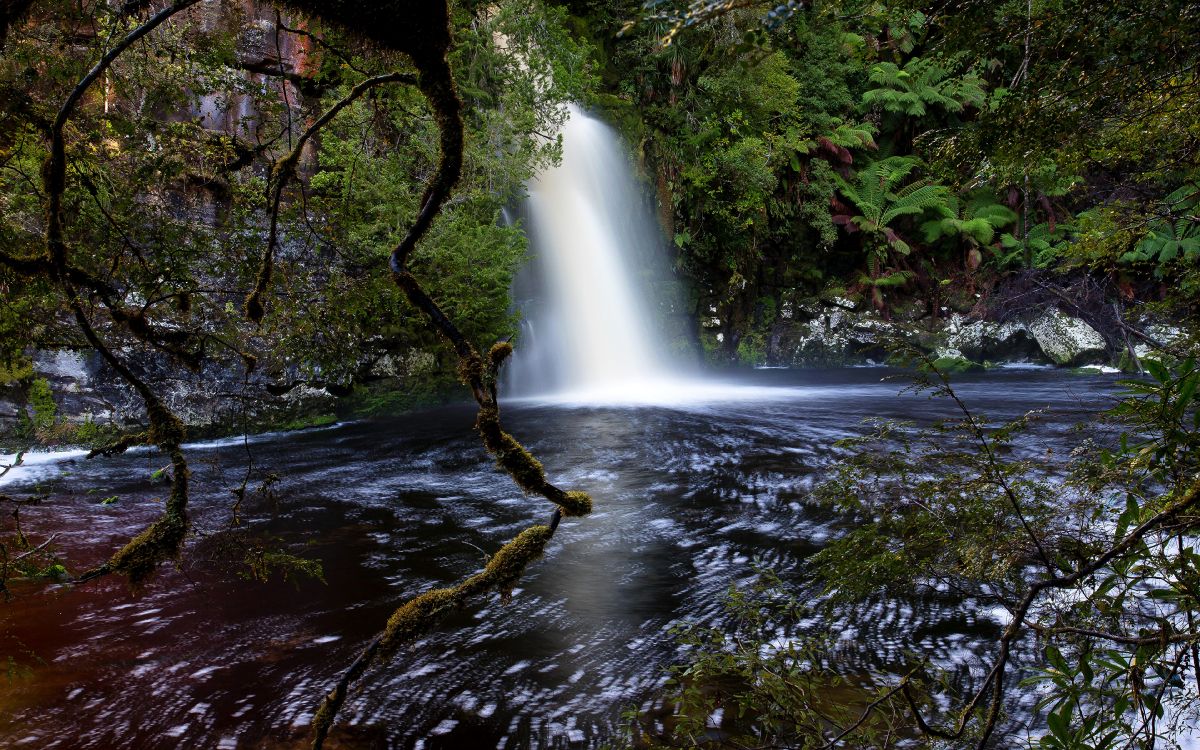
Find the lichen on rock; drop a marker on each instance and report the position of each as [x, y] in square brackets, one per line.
[1066, 340]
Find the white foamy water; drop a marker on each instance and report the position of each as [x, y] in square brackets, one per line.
[664, 391]
[34, 465]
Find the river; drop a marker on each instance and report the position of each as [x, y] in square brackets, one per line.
[686, 498]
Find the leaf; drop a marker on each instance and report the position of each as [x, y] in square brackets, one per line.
[1157, 370]
[1055, 657]
[1059, 727]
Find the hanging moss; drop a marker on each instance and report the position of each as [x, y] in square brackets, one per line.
[417, 616]
[498, 353]
[502, 571]
[470, 368]
[576, 503]
[161, 541]
[507, 565]
[120, 445]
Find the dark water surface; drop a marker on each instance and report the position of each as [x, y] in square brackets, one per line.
[686, 497]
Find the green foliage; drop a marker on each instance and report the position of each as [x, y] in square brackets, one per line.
[735, 689]
[166, 203]
[976, 220]
[43, 406]
[881, 199]
[1174, 239]
[751, 350]
[15, 371]
[1043, 244]
[304, 423]
[955, 365]
[920, 85]
[263, 564]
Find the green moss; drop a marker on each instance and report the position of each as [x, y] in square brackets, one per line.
[511, 456]
[166, 429]
[388, 398]
[577, 503]
[470, 368]
[507, 565]
[955, 365]
[498, 353]
[526, 470]
[306, 422]
[502, 571]
[160, 541]
[323, 718]
[41, 401]
[752, 350]
[261, 564]
[416, 616]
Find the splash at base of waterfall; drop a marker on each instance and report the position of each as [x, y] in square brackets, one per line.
[668, 392]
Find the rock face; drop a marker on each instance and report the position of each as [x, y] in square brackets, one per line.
[828, 333]
[217, 400]
[834, 333]
[983, 341]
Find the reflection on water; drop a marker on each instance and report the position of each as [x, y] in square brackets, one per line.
[686, 498]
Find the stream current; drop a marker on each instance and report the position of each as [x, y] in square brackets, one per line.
[687, 497]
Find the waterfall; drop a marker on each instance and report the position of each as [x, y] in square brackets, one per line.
[594, 327]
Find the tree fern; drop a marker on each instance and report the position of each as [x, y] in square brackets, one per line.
[922, 83]
[880, 199]
[1041, 239]
[976, 221]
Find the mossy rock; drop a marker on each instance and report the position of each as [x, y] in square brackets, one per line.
[956, 365]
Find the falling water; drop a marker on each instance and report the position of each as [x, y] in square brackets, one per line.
[595, 327]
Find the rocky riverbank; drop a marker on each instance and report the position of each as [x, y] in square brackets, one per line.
[836, 332]
[72, 398]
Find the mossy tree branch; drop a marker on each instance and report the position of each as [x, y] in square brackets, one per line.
[163, 539]
[427, 44]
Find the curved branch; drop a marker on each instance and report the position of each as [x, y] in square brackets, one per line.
[437, 84]
[164, 538]
[421, 613]
[285, 169]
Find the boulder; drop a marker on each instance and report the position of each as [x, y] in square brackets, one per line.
[1066, 340]
[992, 342]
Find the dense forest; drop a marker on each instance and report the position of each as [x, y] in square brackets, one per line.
[227, 217]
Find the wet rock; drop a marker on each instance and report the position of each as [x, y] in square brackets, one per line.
[1162, 334]
[985, 341]
[1066, 340]
[829, 332]
[952, 365]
